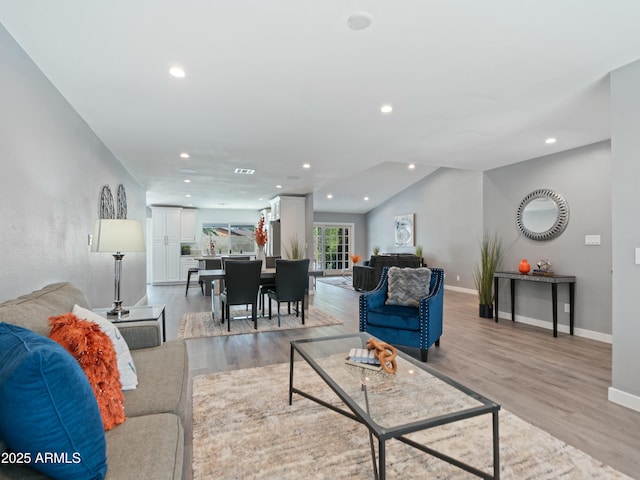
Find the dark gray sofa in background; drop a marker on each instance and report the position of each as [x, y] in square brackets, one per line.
[367, 277]
[155, 440]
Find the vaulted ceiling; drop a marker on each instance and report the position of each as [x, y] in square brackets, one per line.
[273, 85]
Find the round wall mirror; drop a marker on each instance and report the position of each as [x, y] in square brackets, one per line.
[542, 215]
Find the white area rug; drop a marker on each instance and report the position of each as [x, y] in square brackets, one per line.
[243, 428]
[202, 324]
[338, 281]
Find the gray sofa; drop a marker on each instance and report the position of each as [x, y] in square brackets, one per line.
[367, 277]
[155, 440]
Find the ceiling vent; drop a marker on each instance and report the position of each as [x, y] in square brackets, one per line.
[245, 171]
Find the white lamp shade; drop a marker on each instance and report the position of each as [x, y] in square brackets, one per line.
[117, 236]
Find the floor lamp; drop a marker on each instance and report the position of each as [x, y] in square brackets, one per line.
[117, 236]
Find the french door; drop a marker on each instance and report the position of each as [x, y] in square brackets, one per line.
[333, 243]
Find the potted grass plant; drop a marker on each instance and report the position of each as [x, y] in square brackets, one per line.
[490, 257]
[296, 250]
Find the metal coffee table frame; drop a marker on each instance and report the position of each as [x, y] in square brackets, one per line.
[356, 413]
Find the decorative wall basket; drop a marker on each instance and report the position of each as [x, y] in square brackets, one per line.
[107, 208]
[106, 203]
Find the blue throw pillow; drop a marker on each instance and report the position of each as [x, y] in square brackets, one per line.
[48, 412]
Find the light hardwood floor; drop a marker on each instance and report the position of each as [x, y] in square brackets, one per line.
[558, 384]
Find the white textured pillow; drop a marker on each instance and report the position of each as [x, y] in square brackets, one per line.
[407, 286]
[128, 374]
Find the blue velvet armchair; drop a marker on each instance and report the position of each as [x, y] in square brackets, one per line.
[414, 327]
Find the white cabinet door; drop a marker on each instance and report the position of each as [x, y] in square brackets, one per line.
[188, 225]
[165, 245]
[158, 261]
[173, 262]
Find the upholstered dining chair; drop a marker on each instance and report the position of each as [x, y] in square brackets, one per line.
[268, 283]
[226, 260]
[242, 282]
[405, 311]
[290, 286]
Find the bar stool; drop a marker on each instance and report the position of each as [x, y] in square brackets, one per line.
[190, 272]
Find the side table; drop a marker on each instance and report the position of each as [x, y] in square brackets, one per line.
[140, 313]
[554, 280]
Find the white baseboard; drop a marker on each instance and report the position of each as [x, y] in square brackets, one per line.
[624, 398]
[461, 290]
[547, 324]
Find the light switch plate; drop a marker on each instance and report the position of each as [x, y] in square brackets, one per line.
[637, 256]
[592, 239]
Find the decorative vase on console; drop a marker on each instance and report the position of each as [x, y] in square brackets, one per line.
[261, 256]
[524, 267]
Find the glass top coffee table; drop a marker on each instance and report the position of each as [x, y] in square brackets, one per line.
[413, 399]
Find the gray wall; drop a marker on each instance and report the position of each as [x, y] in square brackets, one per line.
[625, 125]
[448, 222]
[454, 207]
[54, 167]
[583, 177]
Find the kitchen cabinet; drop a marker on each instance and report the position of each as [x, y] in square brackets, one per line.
[165, 245]
[188, 225]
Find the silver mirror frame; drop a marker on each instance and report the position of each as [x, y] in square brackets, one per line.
[559, 225]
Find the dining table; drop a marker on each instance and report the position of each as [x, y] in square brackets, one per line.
[209, 276]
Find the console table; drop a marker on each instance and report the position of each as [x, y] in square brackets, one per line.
[554, 280]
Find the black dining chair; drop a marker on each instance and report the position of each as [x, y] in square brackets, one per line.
[242, 282]
[268, 283]
[225, 260]
[290, 286]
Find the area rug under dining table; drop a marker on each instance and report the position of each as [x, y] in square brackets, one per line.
[202, 324]
[244, 428]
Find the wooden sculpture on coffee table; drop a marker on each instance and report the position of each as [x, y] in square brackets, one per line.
[385, 353]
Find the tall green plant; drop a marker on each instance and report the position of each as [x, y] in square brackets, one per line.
[297, 249]
[490, 257]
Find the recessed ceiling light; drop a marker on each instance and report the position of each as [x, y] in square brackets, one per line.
[359, 21]
[366, 199]
[412, 166]
[245, 171]
[186, 180]
[278, 186]
[184, 155]
[306, 165]
[550, 140]
[329, 196]
[177, 72]
[386, 109]
[188, 195]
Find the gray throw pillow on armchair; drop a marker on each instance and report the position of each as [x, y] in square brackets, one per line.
[407, 286]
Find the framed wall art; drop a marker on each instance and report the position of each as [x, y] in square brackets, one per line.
[404, 230]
